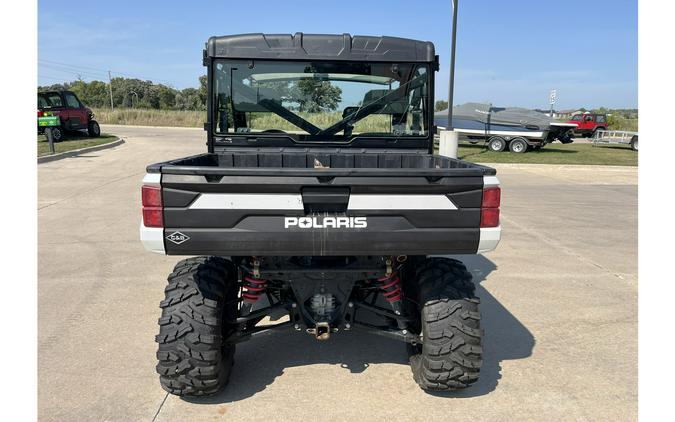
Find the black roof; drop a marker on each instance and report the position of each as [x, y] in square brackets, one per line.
[58, 91]
[320, 47]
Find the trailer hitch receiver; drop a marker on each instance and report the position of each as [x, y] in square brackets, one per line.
[321, 331]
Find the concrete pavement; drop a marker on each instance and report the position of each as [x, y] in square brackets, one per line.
[559, 303]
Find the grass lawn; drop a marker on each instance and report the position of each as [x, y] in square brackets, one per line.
[72, 142]
[609, 155]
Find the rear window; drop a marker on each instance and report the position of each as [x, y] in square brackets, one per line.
[600, 119]
[53, 100]
[42, 101]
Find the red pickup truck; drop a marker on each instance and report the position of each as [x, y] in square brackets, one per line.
[588, 123]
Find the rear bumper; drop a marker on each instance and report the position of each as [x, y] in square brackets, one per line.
[489, 239]
[226, 242]
[324, 242]
[152, 239]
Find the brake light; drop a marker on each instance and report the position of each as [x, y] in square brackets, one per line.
[489, 210]
[151, 197]
[489, 217]
[152, 217]
[491, 198]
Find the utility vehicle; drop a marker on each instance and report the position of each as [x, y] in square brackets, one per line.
[319, 208]
[73, 115]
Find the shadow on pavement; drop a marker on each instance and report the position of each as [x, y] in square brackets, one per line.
[259, 361]
[506, 338]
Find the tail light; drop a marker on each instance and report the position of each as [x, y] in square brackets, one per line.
[41, 113]
[151, 197]
[489, 209]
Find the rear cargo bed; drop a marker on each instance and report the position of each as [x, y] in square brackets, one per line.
[320, 203]
[336, 162]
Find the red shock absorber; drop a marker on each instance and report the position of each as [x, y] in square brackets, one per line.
[253, 288]
[391, 287]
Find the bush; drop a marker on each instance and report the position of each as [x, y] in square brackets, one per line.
[616, 122]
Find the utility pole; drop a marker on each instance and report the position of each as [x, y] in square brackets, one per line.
[448, 143]
[112, 106]
[451, 84]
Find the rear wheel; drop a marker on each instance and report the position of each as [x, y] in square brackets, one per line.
[496, 144]
[194, 358]
[518, 145]
[451, 354]
[93, 129]
[57, 133]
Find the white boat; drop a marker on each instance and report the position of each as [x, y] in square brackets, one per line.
[478, 121]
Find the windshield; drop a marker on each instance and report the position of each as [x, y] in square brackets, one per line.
[321, 101]
[576, 118]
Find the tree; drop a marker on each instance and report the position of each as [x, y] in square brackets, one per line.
[440, 105]
[189, 99]
[166, 96]
[314, 95]
[93, 94]
[128, 92]
[203, 93]
[54, 87]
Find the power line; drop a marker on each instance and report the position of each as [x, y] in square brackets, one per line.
[75, 72]
[98, 71]
[71, 65]
[74, 68]
[50, 77]
[65, 79]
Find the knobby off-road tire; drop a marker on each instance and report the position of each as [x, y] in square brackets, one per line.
[93, 129]
[57, 133]
[193, 357]
[451, 354]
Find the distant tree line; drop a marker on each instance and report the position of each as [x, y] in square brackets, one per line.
[129, 92]
[309, 95]
[626, 113]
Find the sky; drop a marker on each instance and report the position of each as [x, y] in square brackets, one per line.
[509, 53]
